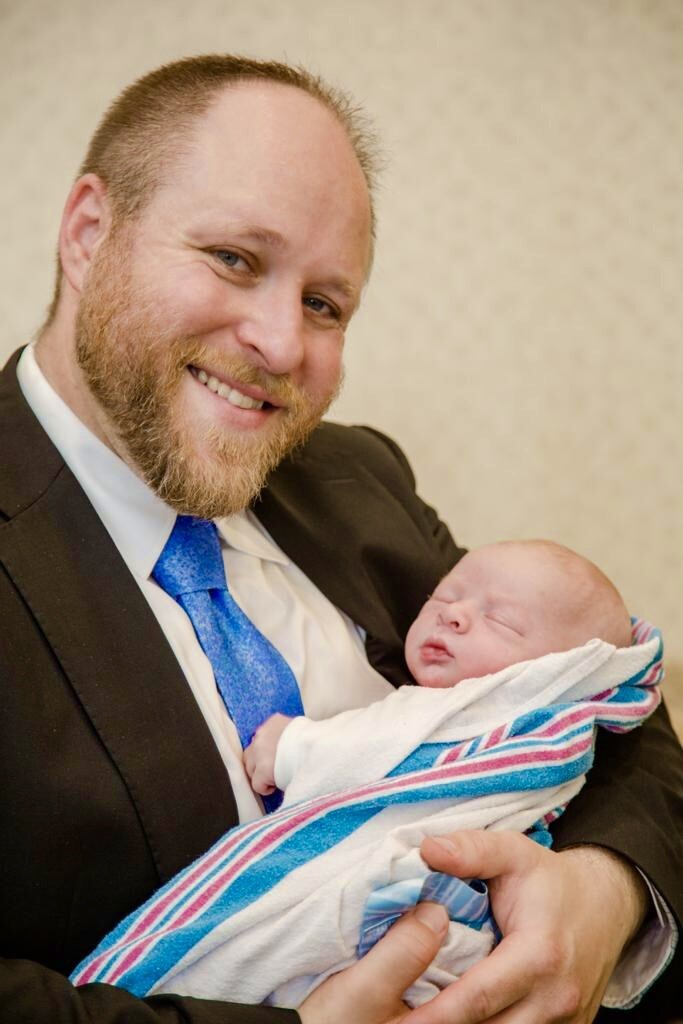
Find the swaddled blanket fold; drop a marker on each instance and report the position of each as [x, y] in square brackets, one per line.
[278, 903]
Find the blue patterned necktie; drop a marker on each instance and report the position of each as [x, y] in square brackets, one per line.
[252, 677]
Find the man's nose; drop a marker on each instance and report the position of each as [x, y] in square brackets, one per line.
[272, 328]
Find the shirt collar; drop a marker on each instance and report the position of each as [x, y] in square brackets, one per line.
[137, 520]
[246, 534]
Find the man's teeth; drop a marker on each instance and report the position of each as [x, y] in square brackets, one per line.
[233, 396]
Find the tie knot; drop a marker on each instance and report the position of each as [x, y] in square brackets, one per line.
[191, 559]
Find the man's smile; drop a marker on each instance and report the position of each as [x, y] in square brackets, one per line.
[244, 397]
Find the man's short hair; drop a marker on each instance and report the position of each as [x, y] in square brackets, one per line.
[143, 130]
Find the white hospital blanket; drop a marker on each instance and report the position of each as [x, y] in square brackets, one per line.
[277, 904]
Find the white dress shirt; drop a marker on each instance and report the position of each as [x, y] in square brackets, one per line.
[321, 644]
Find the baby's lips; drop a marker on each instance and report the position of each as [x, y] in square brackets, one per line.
[435, 650]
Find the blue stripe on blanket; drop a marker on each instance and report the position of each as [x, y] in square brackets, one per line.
[428, 754]
[250, 861]
[319, 835]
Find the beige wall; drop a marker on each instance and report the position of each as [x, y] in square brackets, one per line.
[522, 333]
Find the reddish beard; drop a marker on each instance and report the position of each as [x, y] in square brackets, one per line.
[135, 367]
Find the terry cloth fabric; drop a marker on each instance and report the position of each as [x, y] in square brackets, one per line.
[278, 904]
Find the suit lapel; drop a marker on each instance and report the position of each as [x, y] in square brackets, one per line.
[111, 649]
[309, 514]
[329, 514]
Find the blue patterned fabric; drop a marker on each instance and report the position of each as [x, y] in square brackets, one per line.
[466, 902]
[252, 677]
[340, 863]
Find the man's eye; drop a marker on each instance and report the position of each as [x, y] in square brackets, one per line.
[322, 307]
[229, 258]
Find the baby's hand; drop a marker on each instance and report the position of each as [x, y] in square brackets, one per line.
[259, 757]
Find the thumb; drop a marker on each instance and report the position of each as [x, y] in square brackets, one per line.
[398, 958]
[481, 854]
[406, 951]
[371, 990]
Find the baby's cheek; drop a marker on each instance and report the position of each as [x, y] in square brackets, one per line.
[412, 645]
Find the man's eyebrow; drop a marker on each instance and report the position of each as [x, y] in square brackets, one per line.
[252, 231]
[241, 230]
[345, 287]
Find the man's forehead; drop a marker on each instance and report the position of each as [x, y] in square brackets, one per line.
[263, 163]
[254, 109]
[256, 128]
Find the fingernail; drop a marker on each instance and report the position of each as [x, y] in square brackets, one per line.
[446, 844]
[433, 916]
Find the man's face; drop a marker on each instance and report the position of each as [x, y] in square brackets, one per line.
[210, 331]
[501, 604]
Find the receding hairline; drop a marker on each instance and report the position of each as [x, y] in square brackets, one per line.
[149, 125]
[157, 113]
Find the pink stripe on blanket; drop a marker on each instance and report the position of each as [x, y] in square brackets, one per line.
[495, 763]
[271, 836]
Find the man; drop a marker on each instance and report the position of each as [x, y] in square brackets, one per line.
[212, 253]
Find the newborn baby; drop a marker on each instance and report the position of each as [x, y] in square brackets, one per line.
[501, 604]
[499, 733]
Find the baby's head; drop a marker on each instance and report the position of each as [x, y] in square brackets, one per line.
[509, 602]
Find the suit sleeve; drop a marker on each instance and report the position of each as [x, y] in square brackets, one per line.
[633, 798]
[31, 994]
[632, 803]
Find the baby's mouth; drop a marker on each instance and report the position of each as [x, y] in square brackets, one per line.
[434, 650]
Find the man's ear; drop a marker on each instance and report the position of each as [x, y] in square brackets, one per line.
[85, 224]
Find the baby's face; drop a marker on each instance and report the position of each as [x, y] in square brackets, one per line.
[500, 604]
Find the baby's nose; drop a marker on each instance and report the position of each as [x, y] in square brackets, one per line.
[457, 617]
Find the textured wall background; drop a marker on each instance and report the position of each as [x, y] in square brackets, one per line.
[521, 336]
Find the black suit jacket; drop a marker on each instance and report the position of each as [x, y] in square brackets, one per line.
[110, 780]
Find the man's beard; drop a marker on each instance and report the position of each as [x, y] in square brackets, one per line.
[135, 367]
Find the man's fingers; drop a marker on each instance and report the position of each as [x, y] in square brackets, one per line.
[485, 991]
[480, 854]
[406, 950]
[515, 988]
[371, 990]
[556, 956]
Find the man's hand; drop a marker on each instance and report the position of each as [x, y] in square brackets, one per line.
[370, 991]
[565, 919]
[259, 757]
